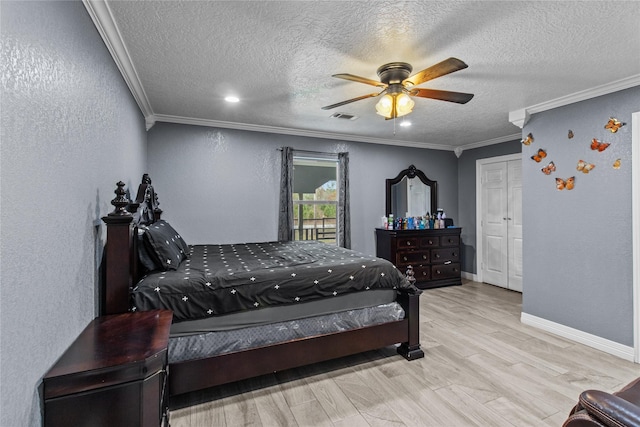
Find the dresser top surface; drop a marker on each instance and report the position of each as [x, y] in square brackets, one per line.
[450, 230]
[118, 339]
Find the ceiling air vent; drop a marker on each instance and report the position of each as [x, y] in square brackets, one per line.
[344, 116]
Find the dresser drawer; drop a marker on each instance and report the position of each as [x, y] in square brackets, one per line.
[429, 242]
[443, 271]
[407, 242]
[422, 273]
[412, 258]
[450, 241]
[445, 254]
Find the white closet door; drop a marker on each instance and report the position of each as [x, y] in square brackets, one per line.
[514, 224]
[494, 224]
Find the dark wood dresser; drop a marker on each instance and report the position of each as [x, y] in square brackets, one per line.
[434, 254]
[114, 374]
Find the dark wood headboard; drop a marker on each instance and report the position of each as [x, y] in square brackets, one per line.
[122, 267]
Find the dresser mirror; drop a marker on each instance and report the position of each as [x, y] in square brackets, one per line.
[411, 193]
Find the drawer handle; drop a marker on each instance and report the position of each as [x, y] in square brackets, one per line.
[437, 271]
[405, 258]
[431, 242]
[450, 240]
[424, 273]
[424, 257]
[408, 243]
[447, 262]
[437, 255]
[453, 254]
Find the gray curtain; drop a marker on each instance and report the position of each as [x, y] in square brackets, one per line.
[344, 211]
[285, 218]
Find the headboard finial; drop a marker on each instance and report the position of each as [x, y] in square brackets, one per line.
[120, 201]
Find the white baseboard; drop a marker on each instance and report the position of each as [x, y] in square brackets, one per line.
[622, 351]
[469, 276]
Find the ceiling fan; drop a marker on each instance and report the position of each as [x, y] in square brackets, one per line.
[398, 87]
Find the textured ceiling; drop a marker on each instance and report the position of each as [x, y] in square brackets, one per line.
[278, 58]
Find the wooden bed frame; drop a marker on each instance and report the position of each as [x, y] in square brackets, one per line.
[121, 272]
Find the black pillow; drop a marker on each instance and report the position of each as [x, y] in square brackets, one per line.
[146, 255]
[168, 246]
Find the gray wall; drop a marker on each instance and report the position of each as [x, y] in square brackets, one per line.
[467, 196]
[577, 244]
[222, 186]
[70, 130]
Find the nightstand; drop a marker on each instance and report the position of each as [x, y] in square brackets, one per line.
[114, 374]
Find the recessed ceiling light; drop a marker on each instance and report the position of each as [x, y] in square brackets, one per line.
[232, 99]
[405, 123]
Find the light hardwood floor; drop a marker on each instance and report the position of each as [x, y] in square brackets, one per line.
[482, 367]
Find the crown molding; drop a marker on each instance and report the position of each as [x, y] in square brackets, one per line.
[520, 117]
[296, 132]
[493, 141]
[326, 135]
[103, 20]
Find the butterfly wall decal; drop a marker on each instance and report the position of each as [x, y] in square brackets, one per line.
[541, 154]
[528, 140]
[613, 125]
[585, 167]
[599, 145]
[570, 134]
[617, 164]
[551, 167]
[569, 183]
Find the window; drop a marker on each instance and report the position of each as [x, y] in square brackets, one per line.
[315, 196]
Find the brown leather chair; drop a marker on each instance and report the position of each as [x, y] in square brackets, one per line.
[598, 408]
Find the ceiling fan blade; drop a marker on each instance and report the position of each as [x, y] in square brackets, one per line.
[442, 95]
[349, 101]
[440, 69]
[359, 79]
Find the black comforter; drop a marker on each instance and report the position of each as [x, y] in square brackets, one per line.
[221, 279]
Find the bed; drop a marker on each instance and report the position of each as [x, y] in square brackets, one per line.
[248, 309]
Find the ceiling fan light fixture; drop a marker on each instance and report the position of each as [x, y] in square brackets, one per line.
[404, 104]
[384, 107]
[232, 99]
[393, 105]
[398, 87]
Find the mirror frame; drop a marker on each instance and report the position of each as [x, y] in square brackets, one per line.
[412, 172]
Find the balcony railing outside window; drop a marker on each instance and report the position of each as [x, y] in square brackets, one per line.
[315, 229]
